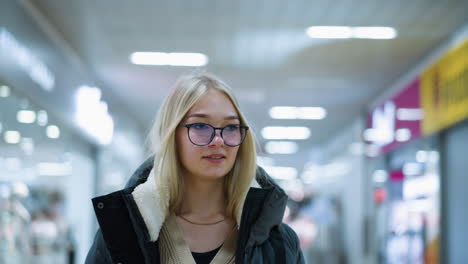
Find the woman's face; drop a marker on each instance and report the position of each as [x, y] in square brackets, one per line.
[215, 160]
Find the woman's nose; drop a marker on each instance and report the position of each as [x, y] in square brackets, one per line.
[217, 140]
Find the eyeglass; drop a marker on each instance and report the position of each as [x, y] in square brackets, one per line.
[202, 134]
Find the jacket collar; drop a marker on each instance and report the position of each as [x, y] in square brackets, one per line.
[154, 210]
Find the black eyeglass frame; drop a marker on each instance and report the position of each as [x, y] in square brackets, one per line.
[214, 133]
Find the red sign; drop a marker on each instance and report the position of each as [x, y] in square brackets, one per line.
[380, 195]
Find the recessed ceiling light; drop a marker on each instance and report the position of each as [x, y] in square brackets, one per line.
[53, 132]
[26, 116]
[12, 137]
[4, 91]
[282, 173]
[330, 32]
[292, 112]
[170, 59]
[281, 147]
[265, 161]
[374, 32]
[278, 132]
[344, 32]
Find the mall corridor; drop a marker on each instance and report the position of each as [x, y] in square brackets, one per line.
[358, 110]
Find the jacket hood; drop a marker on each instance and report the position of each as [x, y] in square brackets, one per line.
[265, 197]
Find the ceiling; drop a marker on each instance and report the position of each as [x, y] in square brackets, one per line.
[259, 48]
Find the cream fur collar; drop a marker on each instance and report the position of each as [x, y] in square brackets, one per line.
[153, 207]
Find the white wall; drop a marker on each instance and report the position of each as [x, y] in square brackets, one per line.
[353, 211]
[344, 150]
[456, 178]
[79, 213]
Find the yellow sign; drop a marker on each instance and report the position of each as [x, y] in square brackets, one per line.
[444, 91]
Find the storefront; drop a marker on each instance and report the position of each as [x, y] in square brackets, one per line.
[45, 172]
[445, 101]
[50, 165]
[407, 166]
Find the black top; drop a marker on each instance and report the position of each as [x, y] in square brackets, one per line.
[205, 257]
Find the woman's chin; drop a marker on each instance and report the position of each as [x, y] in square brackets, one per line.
[213, 174]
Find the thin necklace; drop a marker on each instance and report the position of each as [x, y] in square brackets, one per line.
[197, 223]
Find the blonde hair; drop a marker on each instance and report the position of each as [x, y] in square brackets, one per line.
[167, 168]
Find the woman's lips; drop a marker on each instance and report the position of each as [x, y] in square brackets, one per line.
[216, 159]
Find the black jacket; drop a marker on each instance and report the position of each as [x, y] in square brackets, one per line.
[123, 236]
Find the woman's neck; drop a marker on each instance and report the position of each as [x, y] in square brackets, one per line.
[203, 199]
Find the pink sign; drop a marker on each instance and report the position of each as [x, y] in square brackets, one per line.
[397, 121]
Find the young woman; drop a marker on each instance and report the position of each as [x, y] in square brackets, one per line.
[201, 197]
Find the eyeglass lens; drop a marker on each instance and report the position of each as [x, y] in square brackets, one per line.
[202, 134]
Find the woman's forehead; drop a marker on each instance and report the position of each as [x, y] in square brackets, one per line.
[213, 104]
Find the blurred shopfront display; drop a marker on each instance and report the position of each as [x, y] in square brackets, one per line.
[406, 141]
[414, 203]
[54, 156]
[42, 176]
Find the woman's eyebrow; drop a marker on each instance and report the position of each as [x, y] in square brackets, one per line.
[233, 117]
[200, 115]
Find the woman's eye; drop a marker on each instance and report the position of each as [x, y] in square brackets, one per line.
[200, 126]
[232, 127]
